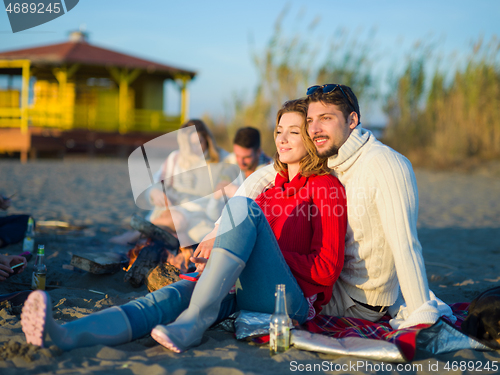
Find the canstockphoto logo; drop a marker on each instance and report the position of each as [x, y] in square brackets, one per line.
[185, 191]
[25, 14]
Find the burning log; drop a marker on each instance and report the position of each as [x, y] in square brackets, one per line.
[143, 258]
[151, 260]
[156, 233]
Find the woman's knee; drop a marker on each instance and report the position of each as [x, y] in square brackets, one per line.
[241, 208]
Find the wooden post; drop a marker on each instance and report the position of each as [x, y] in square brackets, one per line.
[124, 79]
[24, 106]
[184, 99]
[24, 101]
[23, 139]
[62, 75]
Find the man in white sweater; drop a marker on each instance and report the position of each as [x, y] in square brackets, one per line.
[382, 255]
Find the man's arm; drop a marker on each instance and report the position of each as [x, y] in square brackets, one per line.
[397, 202]
[4, 202]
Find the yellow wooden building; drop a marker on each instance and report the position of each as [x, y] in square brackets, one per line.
[84, 96]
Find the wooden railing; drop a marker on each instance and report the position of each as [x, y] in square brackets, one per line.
[91, 118]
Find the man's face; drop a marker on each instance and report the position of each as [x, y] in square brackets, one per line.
[328, 128]
[246, 158]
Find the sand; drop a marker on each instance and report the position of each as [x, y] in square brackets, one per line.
[459, 227]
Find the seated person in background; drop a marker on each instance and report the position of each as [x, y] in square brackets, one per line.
[247, 152]
[249, 157]
[12, 227]
[188, 178]
[186, 185]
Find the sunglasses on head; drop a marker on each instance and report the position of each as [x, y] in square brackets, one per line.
[330, 87]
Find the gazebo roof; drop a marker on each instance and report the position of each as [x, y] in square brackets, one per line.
[81, 52]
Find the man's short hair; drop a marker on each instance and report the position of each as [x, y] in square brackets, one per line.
[247, 137]
[337, 98]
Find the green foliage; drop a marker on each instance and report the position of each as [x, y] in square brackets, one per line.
[436, 115]
[451, 122]
[289, 64]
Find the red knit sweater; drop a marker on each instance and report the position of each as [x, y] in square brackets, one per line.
[308, 216]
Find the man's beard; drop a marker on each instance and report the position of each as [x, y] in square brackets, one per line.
[334, 150]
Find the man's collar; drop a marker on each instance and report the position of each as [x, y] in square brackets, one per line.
[356, 140]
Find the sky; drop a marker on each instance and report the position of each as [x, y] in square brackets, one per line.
[216, 38]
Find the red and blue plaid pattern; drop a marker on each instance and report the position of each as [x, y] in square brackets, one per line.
[404, 339]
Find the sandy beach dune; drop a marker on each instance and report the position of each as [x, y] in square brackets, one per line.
[459, 228]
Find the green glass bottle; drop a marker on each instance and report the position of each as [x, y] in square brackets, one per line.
[29, 237]
[39, 270]
[279, 328]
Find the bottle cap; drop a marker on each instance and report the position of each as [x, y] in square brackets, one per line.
[41, 249]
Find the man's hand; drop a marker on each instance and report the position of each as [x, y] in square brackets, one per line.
[158, 198]
[200, 256]
[7, 261]
[4, 202]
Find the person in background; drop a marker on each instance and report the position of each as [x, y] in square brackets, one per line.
[12, 227]
[12, 230]
[189, 180]
[247, 152]
[185, 184]
[249, 157]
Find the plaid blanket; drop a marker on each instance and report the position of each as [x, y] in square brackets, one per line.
[404, 339]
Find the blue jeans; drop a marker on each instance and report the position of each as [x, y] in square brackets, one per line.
[253, 241]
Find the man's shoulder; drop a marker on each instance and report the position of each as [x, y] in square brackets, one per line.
[378, 153]
[264, 160]
[228, 157]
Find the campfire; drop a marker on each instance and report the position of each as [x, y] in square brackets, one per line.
[180, 261]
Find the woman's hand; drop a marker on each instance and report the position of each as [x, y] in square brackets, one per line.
[202, 252]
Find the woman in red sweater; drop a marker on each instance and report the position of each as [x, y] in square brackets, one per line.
[293, 234]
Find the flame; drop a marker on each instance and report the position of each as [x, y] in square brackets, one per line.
[180, 261]
[134, 253]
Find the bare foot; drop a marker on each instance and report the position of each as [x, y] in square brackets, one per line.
[161, 337]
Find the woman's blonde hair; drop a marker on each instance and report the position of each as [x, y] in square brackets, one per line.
[311, 163]
[203, 133]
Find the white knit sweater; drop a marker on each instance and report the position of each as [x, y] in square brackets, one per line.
[382, 250]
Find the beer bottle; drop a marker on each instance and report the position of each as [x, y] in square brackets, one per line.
[279, 328]
[29, 237]
[39, 270]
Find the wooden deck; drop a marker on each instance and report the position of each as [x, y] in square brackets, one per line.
[58, 143]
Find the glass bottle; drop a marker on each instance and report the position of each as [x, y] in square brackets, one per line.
[279, 328]
[39, 270]
[29, 237]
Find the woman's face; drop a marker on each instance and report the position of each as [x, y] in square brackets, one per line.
[196, 138]
[288, 140]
